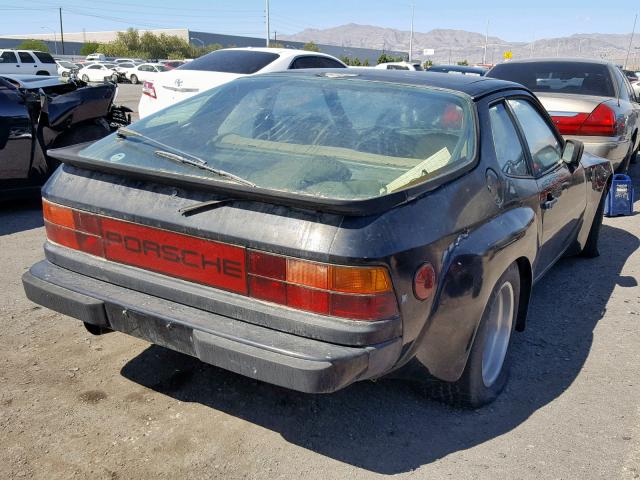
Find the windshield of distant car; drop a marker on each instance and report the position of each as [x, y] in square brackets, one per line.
[329, 136]
[231, 61]
[67, 65]
[582, 78]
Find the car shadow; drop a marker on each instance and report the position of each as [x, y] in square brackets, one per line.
[17, 216]
[389, 426]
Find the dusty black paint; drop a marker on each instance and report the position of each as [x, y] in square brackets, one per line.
[459, 227]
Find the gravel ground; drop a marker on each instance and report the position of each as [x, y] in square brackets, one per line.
[112, 407]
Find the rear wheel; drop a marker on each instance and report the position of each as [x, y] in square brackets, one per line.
[134, 79]
[42, 72]
[487, 369]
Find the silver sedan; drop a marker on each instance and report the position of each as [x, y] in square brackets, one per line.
[588, 100]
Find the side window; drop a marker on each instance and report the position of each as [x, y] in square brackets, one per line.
[44, 57]
[509, 153]
[9, 57]
[25, 57]
[544, 147]
[306, 62]
[326, 62]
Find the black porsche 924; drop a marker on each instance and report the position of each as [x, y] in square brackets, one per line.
[313, 229]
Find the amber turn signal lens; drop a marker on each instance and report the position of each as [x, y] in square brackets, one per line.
[360, 280]
[58, 215]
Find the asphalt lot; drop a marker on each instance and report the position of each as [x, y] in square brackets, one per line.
[77, 406]
[129, 96]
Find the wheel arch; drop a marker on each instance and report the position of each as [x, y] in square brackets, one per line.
[473, 267]
[526, 283]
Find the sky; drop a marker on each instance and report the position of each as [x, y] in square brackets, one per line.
[548, 19]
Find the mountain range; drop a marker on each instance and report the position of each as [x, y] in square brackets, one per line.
[452, 46]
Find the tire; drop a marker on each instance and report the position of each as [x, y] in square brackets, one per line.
[85, 78]
[134, 79]
[590, 249]
[487, 369]
[624, 166]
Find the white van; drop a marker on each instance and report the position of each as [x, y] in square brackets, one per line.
[96, 57]
[27, 62]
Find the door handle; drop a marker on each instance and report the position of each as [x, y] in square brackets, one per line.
[549, 203]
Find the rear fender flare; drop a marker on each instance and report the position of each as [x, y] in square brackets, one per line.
[471, 267]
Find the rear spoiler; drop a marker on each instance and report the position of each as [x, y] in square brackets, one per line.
[370, 206]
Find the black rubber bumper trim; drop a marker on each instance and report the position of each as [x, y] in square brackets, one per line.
[64, 301]
[275, 357]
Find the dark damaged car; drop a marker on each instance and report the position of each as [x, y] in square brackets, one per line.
[38, 113]
[314, 229]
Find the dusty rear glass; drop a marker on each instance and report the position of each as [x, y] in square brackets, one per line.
[331, 135]
[558, 77]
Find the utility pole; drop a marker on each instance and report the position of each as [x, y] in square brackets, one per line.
[411, 36]
[631, 40]
[266, 17]
[275, 36]
[558, 49]
[486, 40]
[61, 31]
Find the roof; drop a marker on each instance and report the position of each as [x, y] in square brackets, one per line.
[285, 52]
[473, 86]
[460, 68]
[560, 60]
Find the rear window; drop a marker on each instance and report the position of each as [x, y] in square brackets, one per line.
[231, 61]
[562, 77]
[44, 57]
[339, 138]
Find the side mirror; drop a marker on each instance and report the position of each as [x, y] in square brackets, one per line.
[572, 152]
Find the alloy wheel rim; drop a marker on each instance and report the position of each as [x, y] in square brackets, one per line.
[499, 325]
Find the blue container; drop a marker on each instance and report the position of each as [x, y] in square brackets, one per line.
[620, 197]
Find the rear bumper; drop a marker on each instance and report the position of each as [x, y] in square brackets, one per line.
[258, 352]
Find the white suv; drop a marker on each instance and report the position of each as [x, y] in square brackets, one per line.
[27, 62]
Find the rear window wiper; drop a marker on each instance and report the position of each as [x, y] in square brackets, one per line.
[182, 158]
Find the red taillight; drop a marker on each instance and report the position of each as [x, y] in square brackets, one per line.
[359, 293]
[148, 89]
[601, 121]
[356, 293]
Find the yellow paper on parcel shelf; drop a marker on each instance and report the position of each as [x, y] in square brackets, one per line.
[431, 164]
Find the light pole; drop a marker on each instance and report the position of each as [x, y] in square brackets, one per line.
[266, 21]
[631, 40]
[55, 40]
[411, 36]
[197, 40]
[486, 39]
